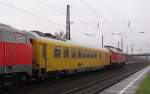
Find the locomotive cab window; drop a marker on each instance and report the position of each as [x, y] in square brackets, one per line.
[57, 52]
[1, 39]
[8, 36]
[66, 52]
[20, 38]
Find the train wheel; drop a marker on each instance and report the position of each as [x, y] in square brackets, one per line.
[22, 78]
[122, 64]
[107, 66]
[2, 81]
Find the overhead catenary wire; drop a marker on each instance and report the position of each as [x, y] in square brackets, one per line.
[98, 14]
[57, 11]
[113, 12]
[29, 13]
[48, 6]
[62, 14]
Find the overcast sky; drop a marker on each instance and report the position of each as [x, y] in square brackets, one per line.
[113, 16]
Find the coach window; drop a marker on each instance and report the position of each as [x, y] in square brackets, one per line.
[79, 53]
[57, 52]
[8, 36]
[95, 54]
[100, 55]
[73, 54]
[66, 52]
[88, 55]
[84, 54]
[92, 55]
[20, 38]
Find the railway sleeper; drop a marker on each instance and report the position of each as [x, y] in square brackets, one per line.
[117, 65]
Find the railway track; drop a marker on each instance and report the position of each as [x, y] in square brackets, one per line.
[100, 84]
[90, 83]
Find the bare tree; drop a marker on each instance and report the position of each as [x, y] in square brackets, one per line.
[60, 35]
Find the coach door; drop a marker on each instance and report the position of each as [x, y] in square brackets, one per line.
[9, 40]
[44, 57]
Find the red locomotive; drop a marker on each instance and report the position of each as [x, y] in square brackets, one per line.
[15, 53]
[117, 57]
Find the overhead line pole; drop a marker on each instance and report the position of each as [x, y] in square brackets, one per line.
[132, 50]
[122, 43]
[118, 44]
[68, 23]
[102, 41]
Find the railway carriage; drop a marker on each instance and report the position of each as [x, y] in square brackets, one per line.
[26, 54]
[54, 56]
[117, 57]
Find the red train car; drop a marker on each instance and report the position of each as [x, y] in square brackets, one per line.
[15, 53]
[117, 57]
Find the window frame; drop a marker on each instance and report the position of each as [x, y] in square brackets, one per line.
[79, 53]
[56, 54]
[73, 53]
[100, 55]
[84, 54]
[20, 35]
[66, 52]
[5, 39]
[95, 54]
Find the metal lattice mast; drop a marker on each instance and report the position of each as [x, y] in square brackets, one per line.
[68, 23]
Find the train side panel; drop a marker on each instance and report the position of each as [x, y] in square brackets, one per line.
[17, 54]
[53, 56]
[22, 54]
